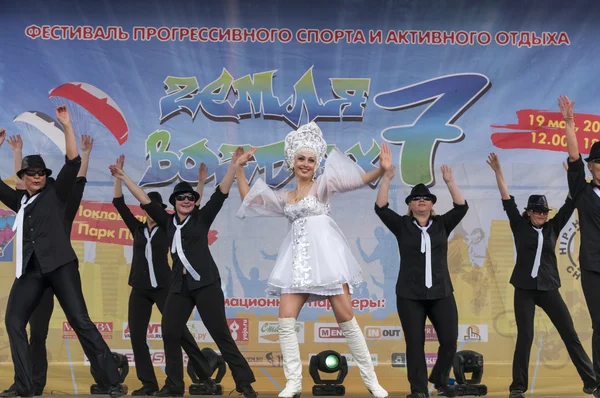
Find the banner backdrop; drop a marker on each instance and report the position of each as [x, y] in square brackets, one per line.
[174, 83]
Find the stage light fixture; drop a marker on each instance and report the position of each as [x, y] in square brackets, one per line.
[467, 361]
[210, 386]
[101, 388]
[328, 362]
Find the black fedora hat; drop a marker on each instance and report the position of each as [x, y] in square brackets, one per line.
[420, 190]
[33, 162]
[156, 197]
[537, 202]
[183, 187]
[594, 152]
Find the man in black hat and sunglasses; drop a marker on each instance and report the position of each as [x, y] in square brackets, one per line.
[39, 322]
[587, 202]
[150, 278]
[45, 258]
[196, 281]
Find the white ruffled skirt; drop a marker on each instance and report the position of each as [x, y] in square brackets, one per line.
[314, 258]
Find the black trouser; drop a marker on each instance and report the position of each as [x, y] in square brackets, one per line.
[556, 309]
[443, 315]
[140, 310]
[39, 323]
[25, 295]
[211, 305]
[590, 282]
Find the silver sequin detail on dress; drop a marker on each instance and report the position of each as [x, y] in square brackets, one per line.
[296, 214]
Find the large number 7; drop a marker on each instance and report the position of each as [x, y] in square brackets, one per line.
[449, 97]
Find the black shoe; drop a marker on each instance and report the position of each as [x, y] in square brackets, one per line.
[247, 391]
[116, 390]
[9, 392]
[418, 395]
[167, 392]
[447, 391]
[38, 393]
[12, 392]
[145, 390]
[517, 394]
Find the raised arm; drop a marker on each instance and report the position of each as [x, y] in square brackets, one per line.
[209, 212]
[384, 187]
[227, 181]
[456, 214]
[70, 142]
[494, 163]
[448, 177]
[155, 210]
[76, 196]
[390, 218]
[385, 163]
[8, 196]
[16, 143]
[117, 188]
[68, 173]
[202, 173]
[241, 162]
[129, 219]
[135, 190]
[87, 143]
[563, 215]
[566, 109]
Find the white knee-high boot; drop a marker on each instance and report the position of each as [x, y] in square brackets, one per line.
[292, 363]
[362, 357]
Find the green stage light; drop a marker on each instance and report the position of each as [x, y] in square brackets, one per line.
[328, 362]
[332, 362]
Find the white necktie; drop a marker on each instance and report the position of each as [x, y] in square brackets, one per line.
[149, 254]
[18, 226]
[426, 248]
[538, 252]
[176, 247]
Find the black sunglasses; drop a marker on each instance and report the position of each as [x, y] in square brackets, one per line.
[540, 212]
[32, 173]
[184, 196]
[425, 198]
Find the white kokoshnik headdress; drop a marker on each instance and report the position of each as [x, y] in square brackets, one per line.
[308, 137]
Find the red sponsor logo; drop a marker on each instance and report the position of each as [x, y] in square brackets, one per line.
[430, 334]
[239, 329]
[330, 332]
[105, 329]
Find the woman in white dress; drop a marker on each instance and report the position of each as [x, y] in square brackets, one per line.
[314, 261]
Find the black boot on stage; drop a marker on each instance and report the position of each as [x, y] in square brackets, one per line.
[517, 394]
[145, 390]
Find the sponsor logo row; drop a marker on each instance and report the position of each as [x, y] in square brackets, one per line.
[255, 358]
[268, 332]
